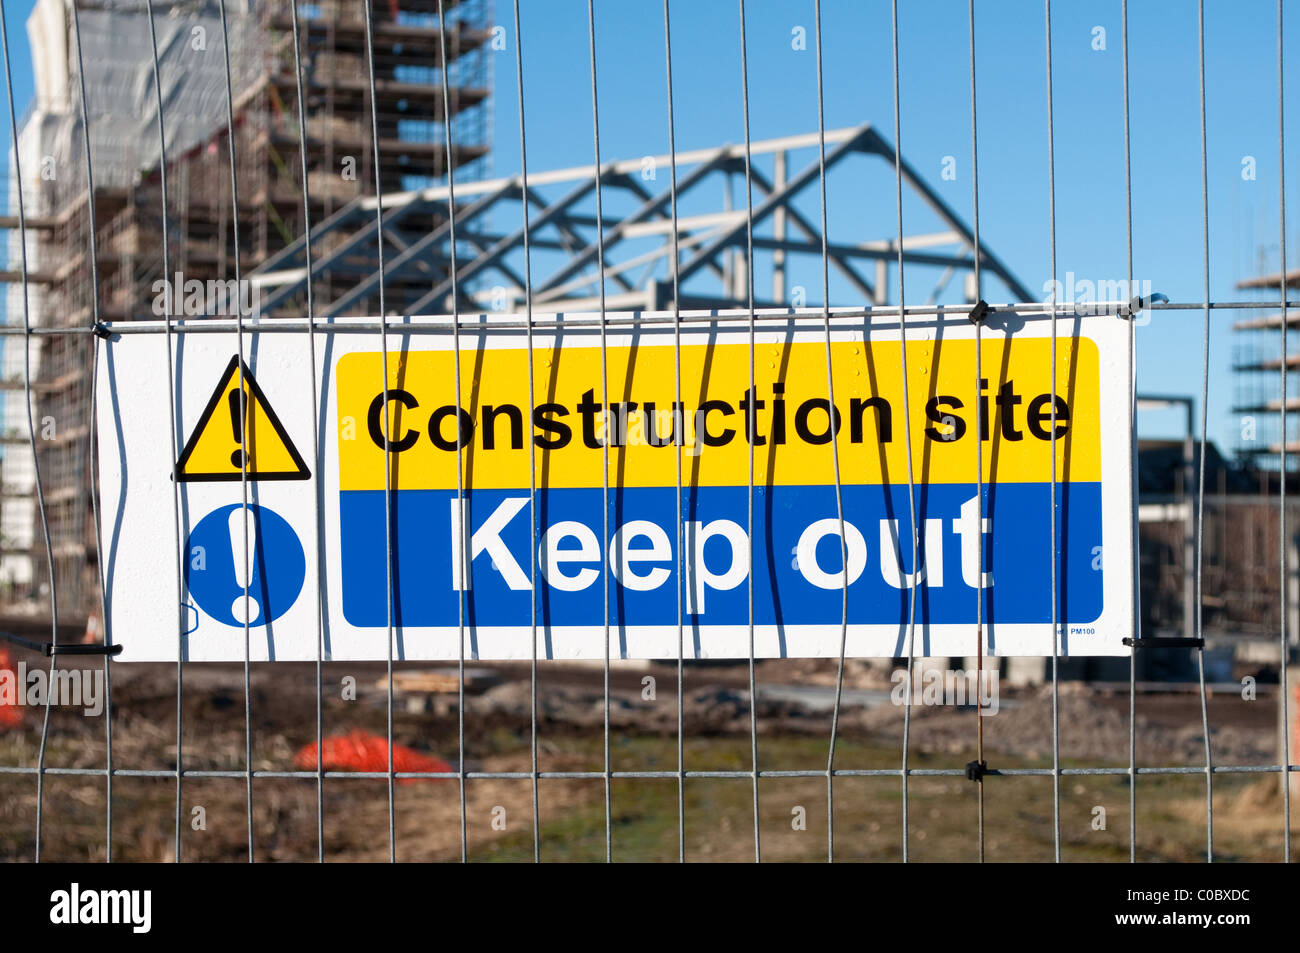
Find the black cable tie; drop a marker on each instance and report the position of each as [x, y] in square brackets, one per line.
[102, 330]
[49, 649]
[979, 312]
[1167, 642]
[975, 770]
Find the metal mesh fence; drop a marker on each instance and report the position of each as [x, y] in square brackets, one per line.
[86, 338]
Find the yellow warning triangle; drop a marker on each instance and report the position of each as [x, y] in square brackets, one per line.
[238, 433]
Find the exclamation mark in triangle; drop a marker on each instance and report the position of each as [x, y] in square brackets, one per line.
[238, 413]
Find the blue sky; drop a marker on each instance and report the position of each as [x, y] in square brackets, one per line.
[1241, 95]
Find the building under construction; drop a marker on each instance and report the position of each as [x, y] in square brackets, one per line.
[210, 236]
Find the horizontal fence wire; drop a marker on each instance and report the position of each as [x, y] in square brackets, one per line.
[601, 323]
[596, 775]
[441, 324]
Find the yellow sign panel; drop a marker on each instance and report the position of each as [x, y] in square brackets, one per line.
[787, 422]
[238, 433]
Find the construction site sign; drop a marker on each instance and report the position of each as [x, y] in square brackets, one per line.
[658, 490]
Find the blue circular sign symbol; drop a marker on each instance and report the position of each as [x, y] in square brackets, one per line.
[215, 565]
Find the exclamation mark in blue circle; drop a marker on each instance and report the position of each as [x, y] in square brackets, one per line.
[215, 568]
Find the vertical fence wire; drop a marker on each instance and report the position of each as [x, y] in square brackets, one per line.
[317, 504]
[979, 446]
[90, 466]
[1199, 543]
[462, 565]
[31, 430]
[606, 556]
[90, 452]
[243, 435]
[388, 470]
[1284, 742]
[1134, 529]
[835, 453]
[749, 504]
[532, 470]
[679, 426]
[907, 416]
[175, 445]
[1056, 634]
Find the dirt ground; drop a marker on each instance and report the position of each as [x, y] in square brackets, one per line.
[714, 818]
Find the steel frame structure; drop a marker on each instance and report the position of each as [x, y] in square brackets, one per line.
[488, 278]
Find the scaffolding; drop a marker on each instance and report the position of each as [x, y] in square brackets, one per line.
[207, 234]
[1257, 361]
